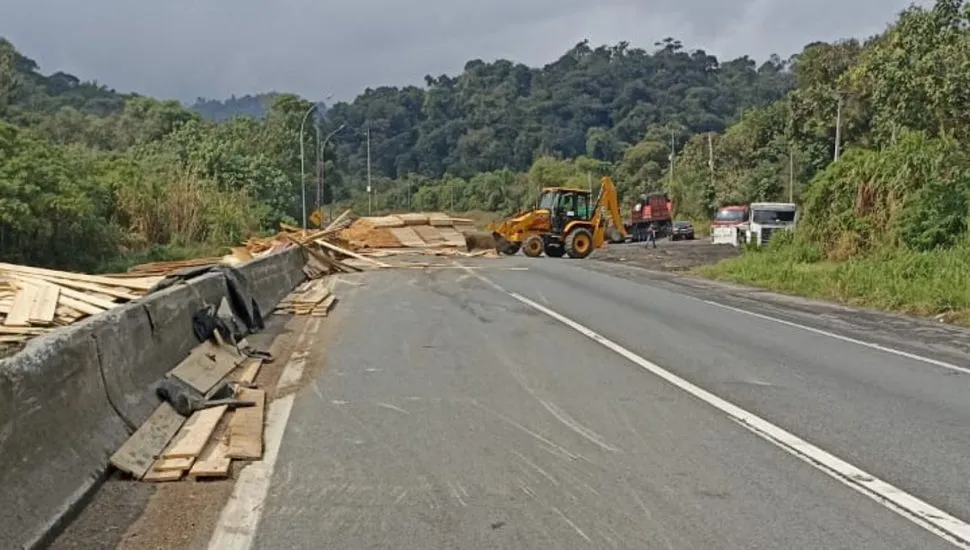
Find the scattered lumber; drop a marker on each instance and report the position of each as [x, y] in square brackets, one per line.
[314, 298]
[34, 301]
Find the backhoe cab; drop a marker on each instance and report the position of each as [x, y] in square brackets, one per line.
[565, 222]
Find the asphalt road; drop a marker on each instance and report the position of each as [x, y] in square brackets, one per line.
[452, 415]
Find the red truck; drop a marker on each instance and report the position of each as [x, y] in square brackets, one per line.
[653, 208]
[727, 225]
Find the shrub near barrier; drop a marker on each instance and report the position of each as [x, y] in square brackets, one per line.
[69, 399]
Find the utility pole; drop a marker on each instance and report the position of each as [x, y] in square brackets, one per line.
[671, 156]
[369, 188]
[303, 162]
[409, 194]
[319, 205]
[710, 156]
[791, 173]
[838, 128]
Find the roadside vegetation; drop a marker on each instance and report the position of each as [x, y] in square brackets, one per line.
[887, 224]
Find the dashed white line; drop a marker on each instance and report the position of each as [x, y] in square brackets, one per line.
[933, 519]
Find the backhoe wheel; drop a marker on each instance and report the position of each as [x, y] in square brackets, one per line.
[579, 243]
[554, 250]
[532, 247]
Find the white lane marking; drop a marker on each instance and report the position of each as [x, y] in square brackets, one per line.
[871, 345]
[239, 519]
[919, 512]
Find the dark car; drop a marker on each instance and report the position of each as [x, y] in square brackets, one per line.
[682, 230]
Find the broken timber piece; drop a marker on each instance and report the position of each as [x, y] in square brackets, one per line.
[350, 254]
[246, 426]
[206, 365]
[138, 453]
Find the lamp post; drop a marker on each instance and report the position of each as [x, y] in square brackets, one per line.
[323, 149]
[303, 162]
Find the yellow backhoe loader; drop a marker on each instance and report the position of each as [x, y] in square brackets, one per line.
[563, 223]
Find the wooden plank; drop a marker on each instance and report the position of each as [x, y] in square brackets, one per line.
[206, 365]
[429, 234]
[23, 303]
[99, 289]
[45, 306]
[337, 221]
[451, 236]
[168, 464]
[138, 453]
[157, 476]
[214, 461]
[135, 284]
[191, 439]
[412, 218]
[69, 293]
[408, 237]
[246, 426]
[250, 370]
[350, 254]
[323, 309]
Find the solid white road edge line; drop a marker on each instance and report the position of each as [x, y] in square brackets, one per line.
[239, 519]
[923, 514]
[871, 345]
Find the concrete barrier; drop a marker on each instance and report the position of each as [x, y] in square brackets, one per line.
[274, 276]
[139, 342]
[69, 399]
[57, 430]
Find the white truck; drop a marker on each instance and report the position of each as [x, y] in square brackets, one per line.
[761, 221]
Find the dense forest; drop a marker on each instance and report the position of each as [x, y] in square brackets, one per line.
[90, 175]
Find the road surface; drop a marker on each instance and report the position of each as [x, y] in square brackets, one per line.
[550, 404]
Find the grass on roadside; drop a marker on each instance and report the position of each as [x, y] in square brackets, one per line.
[917, 283]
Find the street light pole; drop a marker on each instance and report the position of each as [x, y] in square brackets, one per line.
[323, 164]
[303, 162]
[370, 194]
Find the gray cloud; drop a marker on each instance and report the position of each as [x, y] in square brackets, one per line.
[213, 48]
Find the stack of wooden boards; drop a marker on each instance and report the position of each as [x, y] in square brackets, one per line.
[169, 447]
[314, 297]
[34, 300]
[413, 230]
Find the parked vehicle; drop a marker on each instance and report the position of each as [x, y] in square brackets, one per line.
[682, 230]
[727, 227]
[653, 208]
[754, 223]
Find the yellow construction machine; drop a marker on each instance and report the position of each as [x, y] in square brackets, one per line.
[564, 222]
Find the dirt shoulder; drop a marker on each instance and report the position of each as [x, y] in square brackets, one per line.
[675, 256]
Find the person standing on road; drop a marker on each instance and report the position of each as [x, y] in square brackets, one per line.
[652, 234]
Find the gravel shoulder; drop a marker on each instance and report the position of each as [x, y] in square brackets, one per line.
[673, 256]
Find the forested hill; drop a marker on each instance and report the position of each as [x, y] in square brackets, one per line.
[593, 101]
[254, 106]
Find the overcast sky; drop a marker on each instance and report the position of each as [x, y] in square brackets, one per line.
[184, 49]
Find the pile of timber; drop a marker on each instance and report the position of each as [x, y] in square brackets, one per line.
[314, 297]
[170, 447]
[34, 300]
[421, 230]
